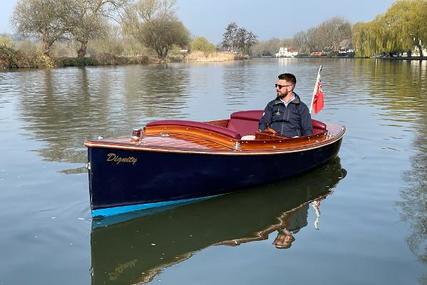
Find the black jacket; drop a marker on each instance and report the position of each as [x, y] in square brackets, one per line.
[291, 121]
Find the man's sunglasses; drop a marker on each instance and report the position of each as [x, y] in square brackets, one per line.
[281, 86]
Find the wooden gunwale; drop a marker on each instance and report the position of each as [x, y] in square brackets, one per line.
[217, 144]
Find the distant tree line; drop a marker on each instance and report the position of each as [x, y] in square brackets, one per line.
[116, 25]
[326, 37]
[402, 29]
[152, 22]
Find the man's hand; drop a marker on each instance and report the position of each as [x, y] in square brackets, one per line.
[270, 131]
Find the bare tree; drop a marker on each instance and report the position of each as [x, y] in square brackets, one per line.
[229, 41]
[238, 39]
[154, 9]
[332, 32]
[88, 20]
[43, 19]
[155, 25]
[301, 42]
[325, 37]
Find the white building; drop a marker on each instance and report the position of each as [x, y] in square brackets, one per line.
[285, 52]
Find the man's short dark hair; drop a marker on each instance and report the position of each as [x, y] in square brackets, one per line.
[288, 77]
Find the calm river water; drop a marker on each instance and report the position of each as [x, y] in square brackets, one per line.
[361, 219]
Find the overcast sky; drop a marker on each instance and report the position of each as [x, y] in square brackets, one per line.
[265, 18]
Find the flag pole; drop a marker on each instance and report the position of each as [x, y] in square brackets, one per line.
[315, 88]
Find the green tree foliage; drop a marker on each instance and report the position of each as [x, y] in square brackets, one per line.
[238, 39]
[202, 44]
[364, 40]
[155, 25]
[405, 23]
[400, 29]
[162, 34]
[43, 19]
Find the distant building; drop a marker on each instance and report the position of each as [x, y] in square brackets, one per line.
[346, 48]
[416, 52]
[318, 53]
[346, 52]
[286, 52]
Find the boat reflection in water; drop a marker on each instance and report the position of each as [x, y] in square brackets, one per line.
[136, 250]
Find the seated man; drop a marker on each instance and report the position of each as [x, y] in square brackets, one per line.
[286, 115]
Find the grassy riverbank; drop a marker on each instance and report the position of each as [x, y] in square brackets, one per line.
[198, 56]
[19, 59]
[103, 59]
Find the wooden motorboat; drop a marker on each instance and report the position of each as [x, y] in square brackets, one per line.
[176, 161]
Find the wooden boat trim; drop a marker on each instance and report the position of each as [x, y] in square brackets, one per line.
[203, 131]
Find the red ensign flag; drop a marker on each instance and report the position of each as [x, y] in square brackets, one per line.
[318, 100]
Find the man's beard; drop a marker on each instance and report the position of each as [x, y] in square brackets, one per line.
[281, 95]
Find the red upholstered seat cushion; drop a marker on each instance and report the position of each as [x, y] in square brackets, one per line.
[253, 115]
[245, 122]
[198, 125]
[318, 127]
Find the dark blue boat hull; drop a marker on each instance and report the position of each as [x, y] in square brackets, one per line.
[161, 178]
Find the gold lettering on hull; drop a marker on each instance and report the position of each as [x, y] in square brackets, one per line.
[114, 158]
